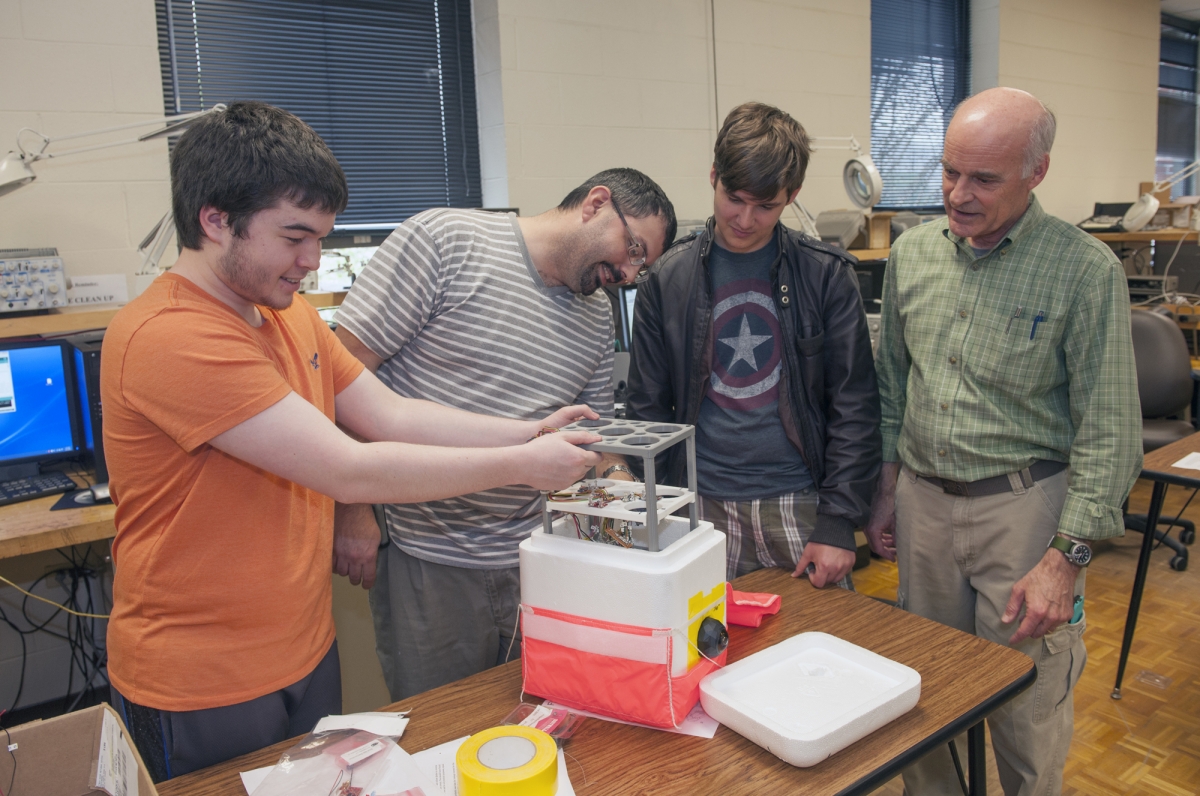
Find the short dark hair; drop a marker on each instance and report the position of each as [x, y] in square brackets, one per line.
[636, 194]
[246, 159]
[761, 150]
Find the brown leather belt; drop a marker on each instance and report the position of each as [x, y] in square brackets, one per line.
[997, 484]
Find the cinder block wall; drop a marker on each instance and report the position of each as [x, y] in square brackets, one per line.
[1095, 63]
[587, 86]
[71, 66]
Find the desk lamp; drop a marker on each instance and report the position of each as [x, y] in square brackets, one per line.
[16, 171]
[15, 168]
[860, 177]
[1146, 206]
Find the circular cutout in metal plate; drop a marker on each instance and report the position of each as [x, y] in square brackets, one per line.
[663, 429]
[594, 423]
[614, 432]
[639, 439]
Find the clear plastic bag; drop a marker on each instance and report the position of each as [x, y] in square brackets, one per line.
[344, 763]
[559, 723]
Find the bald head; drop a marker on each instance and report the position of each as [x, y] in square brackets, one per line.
[997, 151]
[1011, 114]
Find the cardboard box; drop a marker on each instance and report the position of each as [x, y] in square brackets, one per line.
[1163, 196]
[1172, 215]
[81, 753]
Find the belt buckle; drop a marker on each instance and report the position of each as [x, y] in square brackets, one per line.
[954, 488]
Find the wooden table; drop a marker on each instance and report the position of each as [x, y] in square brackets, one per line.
[964, 678]
[31, 527]
[1157, 467]
[1171, 234]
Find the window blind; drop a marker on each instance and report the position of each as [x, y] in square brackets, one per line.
[389, 85]
[1177, 68]
[920, 71]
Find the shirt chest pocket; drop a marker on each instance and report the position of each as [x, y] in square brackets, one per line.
[1017, 353]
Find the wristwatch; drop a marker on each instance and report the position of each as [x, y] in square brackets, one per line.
[1077, 553]
[621, 468]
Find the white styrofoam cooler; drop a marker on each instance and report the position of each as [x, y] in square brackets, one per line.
[810, 696]
[560, 572]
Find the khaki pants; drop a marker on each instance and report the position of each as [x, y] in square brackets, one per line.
[435, 624]
[959, 558]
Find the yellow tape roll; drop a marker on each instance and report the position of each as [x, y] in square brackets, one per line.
[508, 761]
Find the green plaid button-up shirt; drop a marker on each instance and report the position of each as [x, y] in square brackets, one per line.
[987, 364]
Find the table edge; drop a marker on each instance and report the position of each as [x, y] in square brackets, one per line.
[1168, 477]
[960, 725]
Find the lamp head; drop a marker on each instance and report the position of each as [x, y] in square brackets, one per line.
[14, 172]
[1140, 214]
[863, 184]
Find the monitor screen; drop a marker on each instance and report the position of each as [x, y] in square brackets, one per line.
[86, 416]
[622, 298]
[344, 254]
[37, 414]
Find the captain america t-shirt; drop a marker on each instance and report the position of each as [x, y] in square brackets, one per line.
[742, 452]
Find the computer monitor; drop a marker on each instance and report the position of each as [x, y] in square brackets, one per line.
[87, 347]
[870, 284]
[344, 253]
[622, 299]
[39, 417]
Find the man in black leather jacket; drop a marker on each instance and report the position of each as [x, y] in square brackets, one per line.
[756, 334]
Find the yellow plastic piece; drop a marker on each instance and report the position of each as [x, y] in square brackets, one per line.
[537, 777]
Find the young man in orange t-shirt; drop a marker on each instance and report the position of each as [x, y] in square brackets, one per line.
[220, 397]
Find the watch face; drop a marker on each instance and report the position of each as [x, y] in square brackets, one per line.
[1081, 554]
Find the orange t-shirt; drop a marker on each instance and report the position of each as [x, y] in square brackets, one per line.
[222, 588]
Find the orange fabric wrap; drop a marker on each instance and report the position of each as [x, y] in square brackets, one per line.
[635, 691]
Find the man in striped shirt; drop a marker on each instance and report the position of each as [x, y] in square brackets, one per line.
[503, 315]
[1011, 424]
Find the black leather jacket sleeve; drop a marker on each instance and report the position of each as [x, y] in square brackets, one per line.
[853, 445]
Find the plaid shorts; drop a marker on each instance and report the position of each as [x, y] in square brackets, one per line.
[763, 533]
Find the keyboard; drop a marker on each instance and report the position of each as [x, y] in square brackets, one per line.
[51, 483]
[1101, 224]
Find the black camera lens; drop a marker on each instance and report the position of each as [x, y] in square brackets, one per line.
[712, 638]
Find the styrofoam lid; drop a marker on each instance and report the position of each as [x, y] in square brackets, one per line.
[809, 685]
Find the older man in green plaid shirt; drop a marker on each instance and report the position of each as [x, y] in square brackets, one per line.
[1011, 424]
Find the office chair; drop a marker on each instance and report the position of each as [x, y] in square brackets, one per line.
[1165, 384]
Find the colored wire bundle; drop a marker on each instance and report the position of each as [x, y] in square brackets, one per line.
[82, 580]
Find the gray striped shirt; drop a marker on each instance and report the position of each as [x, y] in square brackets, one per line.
[460, 316]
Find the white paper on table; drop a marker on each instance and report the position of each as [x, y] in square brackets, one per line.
[1189, 462]
[696, 723]
[437, 764]
[252, 779]
[390, 725]
[404, 777]
[405, 772]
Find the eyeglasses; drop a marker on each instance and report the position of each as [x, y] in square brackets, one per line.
[637, 251]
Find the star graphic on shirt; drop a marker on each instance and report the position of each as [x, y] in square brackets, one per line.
[744, 344]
